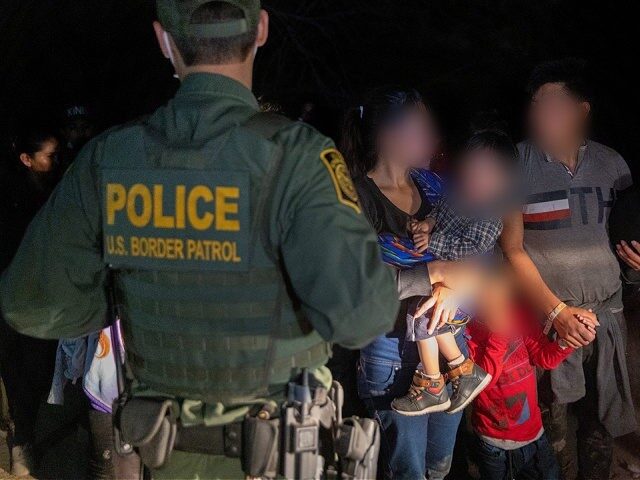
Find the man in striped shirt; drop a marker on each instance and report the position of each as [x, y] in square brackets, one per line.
[560, 250]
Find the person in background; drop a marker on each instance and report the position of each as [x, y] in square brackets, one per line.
[624, 228]
[25, 362]
[629, 252]
[559, 248]
[86, 367]
[77, 128]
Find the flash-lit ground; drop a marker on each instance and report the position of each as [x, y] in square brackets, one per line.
[65, 450]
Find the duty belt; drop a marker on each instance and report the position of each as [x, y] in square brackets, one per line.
[305, 437]
[225, 440]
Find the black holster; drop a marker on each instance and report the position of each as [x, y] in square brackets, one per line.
[150, 426]
[357, 446]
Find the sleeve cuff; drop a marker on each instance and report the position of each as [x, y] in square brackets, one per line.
[414, 282]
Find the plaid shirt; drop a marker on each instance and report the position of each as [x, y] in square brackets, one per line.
[456, 237]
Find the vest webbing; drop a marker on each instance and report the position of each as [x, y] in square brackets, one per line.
[217, 336]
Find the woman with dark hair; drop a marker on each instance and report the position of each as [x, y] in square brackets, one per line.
[26, 363]
[384, 140]
[34, 173]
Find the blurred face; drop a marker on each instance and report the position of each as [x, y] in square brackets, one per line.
[78, 131]
[557, 117]
[411, 140]
[44, 160]
[483, 181]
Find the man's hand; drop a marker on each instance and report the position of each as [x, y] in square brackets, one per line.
[576, 326]
[444, 307]
[630, 254]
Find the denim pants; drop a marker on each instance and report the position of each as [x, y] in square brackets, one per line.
[535, 461]
[411, 447]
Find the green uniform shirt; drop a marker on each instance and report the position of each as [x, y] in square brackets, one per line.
[55, 287]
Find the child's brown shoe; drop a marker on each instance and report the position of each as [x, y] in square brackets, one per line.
[425, 395]
[468, 381]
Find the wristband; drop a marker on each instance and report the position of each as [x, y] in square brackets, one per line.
[552, 316]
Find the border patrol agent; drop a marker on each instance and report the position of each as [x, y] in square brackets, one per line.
[234, 238]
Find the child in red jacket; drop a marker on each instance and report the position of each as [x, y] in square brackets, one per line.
[506, 418]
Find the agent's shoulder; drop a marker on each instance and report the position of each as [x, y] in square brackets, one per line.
[123, 139]
[296, 138]
[297, 134]
[306, 149]
[119, 133]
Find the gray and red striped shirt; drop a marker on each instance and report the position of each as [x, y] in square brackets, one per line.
[566, 220]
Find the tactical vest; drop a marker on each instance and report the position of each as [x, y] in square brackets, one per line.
[217, 330]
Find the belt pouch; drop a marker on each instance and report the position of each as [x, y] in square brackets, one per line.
[260, 441]
[150, 426]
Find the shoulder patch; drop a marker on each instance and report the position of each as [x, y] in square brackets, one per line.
[345, 189]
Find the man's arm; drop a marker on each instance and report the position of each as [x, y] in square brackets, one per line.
[54, 287]
[331, 253]
[567, 324]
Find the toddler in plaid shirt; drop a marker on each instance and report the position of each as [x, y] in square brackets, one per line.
[447, 235]
[462, 225]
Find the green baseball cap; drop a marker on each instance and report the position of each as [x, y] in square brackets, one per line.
[175, 17]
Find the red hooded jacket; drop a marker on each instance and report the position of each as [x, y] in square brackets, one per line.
[508, 408]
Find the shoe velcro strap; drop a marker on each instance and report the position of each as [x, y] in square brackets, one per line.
[465, 368]
[426, 382]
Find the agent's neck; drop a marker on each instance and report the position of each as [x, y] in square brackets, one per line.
[241, 72]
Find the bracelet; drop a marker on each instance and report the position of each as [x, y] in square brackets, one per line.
[552, 316]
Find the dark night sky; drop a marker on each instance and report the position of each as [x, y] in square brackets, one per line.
[464, 55]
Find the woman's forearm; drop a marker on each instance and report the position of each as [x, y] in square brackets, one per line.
[414, 282]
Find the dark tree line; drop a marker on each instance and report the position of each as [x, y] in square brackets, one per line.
[465, 55]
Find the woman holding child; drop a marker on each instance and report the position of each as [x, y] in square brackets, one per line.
[387, 142]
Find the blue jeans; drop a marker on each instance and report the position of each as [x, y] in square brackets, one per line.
[411, 447]
[535, 461]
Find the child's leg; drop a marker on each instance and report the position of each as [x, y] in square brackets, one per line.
[428, 350]
[427, 393]
[448, 347]
[468, 379]
[493, 462]
[540, 460]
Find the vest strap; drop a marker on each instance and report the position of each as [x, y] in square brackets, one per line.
[267, 125]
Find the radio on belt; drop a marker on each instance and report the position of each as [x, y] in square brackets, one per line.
[300, 457]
